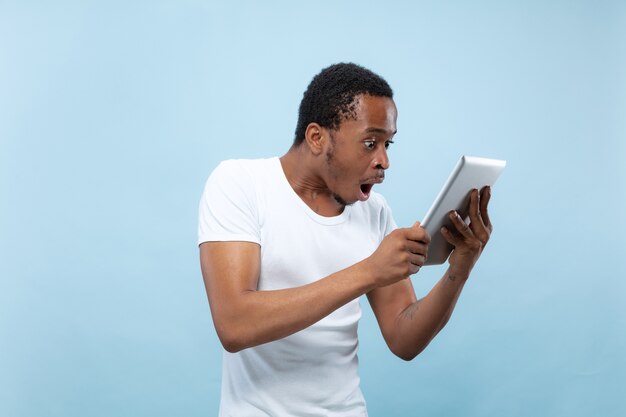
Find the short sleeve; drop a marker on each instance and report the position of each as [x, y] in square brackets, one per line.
[228, 208]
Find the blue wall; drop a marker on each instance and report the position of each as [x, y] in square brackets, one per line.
[112, 114]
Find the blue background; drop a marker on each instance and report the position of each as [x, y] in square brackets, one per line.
[112, 115]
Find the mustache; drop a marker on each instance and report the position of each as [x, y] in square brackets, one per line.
[376, 178]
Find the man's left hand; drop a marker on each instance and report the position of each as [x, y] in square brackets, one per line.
[469, 240]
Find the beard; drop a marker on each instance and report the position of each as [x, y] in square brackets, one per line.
[341, 201]
[335, 172]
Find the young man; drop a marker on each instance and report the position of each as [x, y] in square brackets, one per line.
[287, 245]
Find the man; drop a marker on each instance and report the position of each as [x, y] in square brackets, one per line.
[287, 245]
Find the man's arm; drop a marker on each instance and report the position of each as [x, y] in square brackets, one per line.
[408, 325]
[245, 317]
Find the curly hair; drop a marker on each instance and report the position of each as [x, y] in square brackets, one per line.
[331, 96]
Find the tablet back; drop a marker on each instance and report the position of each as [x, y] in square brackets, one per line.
[470, 172]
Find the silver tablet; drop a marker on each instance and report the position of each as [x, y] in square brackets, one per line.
[470, 172]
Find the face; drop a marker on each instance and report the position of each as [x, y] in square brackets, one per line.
[356, 155]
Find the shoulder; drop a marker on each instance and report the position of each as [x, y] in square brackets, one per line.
[243, 166]
[231, 206]
[241, 178]
[246, 172]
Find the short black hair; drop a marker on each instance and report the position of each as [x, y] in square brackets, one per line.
[330, 97]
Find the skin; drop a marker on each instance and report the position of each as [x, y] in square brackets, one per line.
[330, 169]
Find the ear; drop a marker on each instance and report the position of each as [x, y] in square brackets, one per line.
[316, 138]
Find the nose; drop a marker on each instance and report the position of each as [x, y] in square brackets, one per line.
[382, 160]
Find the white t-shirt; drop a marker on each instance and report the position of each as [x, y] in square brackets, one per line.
[312, 372]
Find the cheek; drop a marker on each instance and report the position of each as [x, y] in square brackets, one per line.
[349, 172]
[347, 169]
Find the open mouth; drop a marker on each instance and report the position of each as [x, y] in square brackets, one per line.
[365, 191]
[366, 187]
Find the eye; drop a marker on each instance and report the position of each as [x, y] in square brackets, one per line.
[369, 143]
[389, 142]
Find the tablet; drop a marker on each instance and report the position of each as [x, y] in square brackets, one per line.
[470, 172]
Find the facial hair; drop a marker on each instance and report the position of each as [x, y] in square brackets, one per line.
[330, 161]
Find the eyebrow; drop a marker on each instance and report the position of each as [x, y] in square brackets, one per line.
[379, 130]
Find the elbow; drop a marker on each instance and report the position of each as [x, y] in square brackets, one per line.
[408, 357]
[232, 339]
[408, 353]
[231, 346]
[234, 329]
[231, 343]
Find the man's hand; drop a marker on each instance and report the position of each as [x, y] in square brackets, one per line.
[469, 240]
[408, 325]
[400, 254]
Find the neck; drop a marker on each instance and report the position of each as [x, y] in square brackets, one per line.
[302, 172]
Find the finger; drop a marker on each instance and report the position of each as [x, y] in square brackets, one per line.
[417, 260]
[414, 269]
[418, 233]
[460, 225]
[450, 237]
[484, 202]
[474, 207]
[476, 221]
[416, 248]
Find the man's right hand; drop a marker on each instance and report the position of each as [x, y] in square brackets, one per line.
[401, 254]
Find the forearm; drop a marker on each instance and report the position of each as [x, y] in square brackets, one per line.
[257, 317]
[246, 317]
[422, 320]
